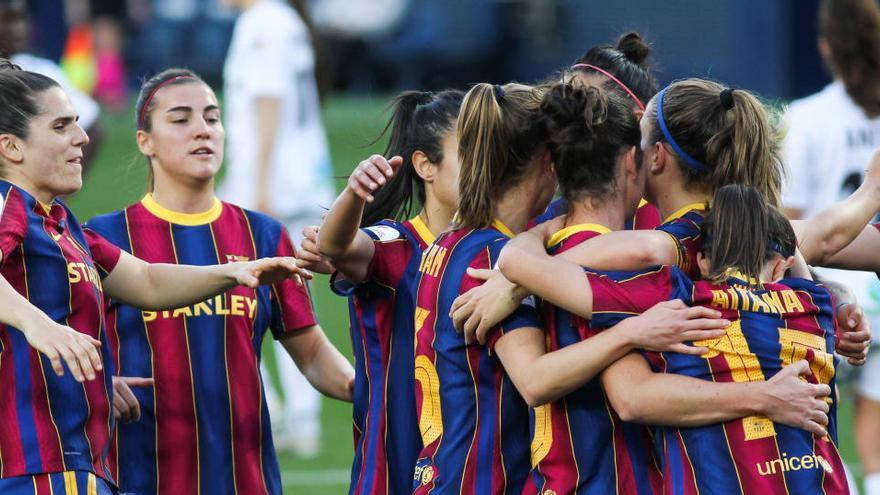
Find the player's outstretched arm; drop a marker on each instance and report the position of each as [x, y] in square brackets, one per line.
[640, 395]
[159, 286]
[59, 343]
[320, 362]
[543, 377]
[820, 238]
[341, 241]
[625, 250]
[862, 254]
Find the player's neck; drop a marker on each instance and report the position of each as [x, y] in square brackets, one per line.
[606, 214]
[436, 216]
[181, 199]
[516, 207]
[676, 197]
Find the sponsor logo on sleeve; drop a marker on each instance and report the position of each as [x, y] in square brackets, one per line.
[384, 233]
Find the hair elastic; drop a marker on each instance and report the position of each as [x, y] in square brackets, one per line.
[499, 93]
[777, 248]
[726, 98]
[153, 93]
[688, 159]
[616, 81]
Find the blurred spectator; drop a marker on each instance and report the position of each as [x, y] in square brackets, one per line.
[107, 19]
[14, 29]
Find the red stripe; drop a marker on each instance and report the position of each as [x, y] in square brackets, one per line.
[232, 236]
[176, 430]
[11, 451]
[626, 478]
[364, 435]
[43, 484]
[469, 480]
[47, 432]
[689, 482]
[833, 483]
[384, 326]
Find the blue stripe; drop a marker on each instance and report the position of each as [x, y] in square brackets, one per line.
[377, 389]
[361, 400]
[24, 397]
[195, 246]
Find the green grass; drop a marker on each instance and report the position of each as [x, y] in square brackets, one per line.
[117, 179]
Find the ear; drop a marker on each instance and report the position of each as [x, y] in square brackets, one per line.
[145, 143]
[547, 162]
[780, 266]
[639, 113]
[703, 264]
[658, 159]
[11, 148]
[630, 167]
[824, 49]
[423, 167]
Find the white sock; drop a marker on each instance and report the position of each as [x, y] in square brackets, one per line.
[872, 484]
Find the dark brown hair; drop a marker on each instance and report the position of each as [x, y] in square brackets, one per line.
[737, 145]
[499, 132]
[19, 90]
[627, 61]
[589, 127]
[852, 30]
[742, 232]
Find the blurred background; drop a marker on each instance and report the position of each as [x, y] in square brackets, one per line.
[368, 50]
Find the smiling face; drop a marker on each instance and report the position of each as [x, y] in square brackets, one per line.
[48, 163]
[185, 140]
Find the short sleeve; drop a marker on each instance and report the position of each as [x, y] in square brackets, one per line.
[799, 155]
[104, 253]
[391, 255]
[619, 295]
[688, 241]
[291, 303]
[13, 222]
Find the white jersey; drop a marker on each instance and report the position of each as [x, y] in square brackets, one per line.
[87, 108]
[829, 144]
[271, 56]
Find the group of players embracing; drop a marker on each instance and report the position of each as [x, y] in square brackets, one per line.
[655, 329]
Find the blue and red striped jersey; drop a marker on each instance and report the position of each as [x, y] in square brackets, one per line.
[684, 228]
[473, 422]
[52, 423]
[772, 326]
[381, 308]
[579, 443]
[204, 426]
[647, 216]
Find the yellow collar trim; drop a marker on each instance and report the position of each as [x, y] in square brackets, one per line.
[574, 229]
[642, 202]
[45, 207]
[504, 229]
[684, 210]
[422, 229]
[185, 219]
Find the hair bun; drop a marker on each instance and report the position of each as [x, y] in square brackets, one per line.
[634, 47]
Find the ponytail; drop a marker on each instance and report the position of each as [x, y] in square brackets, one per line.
[419, 122]
[720, 136]
[742, 232]
[498, 134]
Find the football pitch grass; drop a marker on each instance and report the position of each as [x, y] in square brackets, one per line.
[117, 178]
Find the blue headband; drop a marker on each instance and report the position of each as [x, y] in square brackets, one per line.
[688, 159]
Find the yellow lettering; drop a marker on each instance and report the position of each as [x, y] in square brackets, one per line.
[237, 305]
[437, 261]
[807, 462]
[149, 316]
[427, 257]
[431, 416]
[765, 471]
[794, 345]
[181, 311]
[72, 275]
[744, 297]
[202, 307]
[734, 300]
[772, 300]
[166, 314]
[219, 308]
[758, 305]
[542, 439]
[792, 462]
[252, 307]
[720, 300]
[773, 466]
[792, 303]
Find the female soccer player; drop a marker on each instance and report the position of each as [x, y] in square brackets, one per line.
[473, 422]
[205, 427]
[593, 141]
[56, 432]
[379, 265]
[747, 248]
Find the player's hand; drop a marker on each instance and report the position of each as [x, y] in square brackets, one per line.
[478, 310]
[669, 324]
[126, 407]
[308, 256]
[61, 343]
[268, 271]
[793, 401]
[854, 334]
[549, 228]
[371, 174]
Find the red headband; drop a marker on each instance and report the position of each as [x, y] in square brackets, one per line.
[153, 93]
[616, 80]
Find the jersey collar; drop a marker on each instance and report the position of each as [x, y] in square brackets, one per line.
[571, 230]
[185, 219]
[684, 210]
[504, 229]
[422, 229]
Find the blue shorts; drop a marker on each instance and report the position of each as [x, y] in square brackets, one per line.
[79, 482]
